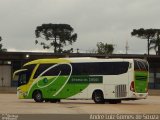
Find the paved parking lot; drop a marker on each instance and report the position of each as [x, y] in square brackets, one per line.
[9, 103]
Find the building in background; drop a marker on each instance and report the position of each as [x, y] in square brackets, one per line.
[12, 61]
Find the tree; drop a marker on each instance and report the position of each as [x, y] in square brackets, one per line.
[68, 51]
[58, 36]
[104, 48]
[144, 34]
[1, 46]
[155, 42]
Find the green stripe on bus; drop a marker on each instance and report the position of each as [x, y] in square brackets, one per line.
[67, 91]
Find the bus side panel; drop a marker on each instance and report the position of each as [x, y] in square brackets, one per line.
[82, 94]
[114, 84]
[56, 87]
[88, 92]
[92, 82]
[107, 87]
[72, 90]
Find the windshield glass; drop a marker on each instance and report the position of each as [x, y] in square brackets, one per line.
[23, 79]
[24, 75]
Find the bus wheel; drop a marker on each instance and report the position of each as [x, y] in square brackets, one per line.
[98, 97]
[37, 96]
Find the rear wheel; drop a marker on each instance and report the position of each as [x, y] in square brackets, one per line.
[37, 96]
[98, 97]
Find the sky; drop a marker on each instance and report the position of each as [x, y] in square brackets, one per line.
[107, 21]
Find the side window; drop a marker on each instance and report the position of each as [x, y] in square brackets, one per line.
[100, 68]
[114, 68]
[61, 69]
[41, 68]
[53, 70]
[81, 68]
[95, 68]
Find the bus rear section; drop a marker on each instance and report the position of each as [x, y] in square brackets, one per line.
[139, 86]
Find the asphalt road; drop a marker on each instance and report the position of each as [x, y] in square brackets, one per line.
[9, 103]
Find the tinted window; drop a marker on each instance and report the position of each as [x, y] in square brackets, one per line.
[95, 68]
[52, 70]
[41, 68]
[24, 76]
[140, 65]
[100, 68]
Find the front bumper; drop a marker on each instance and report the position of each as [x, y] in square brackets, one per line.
[21, 95]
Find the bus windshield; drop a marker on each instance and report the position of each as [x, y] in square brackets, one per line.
[24, 75]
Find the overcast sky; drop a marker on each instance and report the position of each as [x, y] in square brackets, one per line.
[108, 21]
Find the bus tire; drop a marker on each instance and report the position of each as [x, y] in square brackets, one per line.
[98, 97]
[37, 96]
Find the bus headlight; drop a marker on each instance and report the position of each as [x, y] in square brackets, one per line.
[25, 94]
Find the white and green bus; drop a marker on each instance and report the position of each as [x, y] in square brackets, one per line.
[102, 80]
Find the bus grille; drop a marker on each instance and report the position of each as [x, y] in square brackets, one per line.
[120, 91]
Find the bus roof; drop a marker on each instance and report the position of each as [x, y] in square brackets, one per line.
[76, 60]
